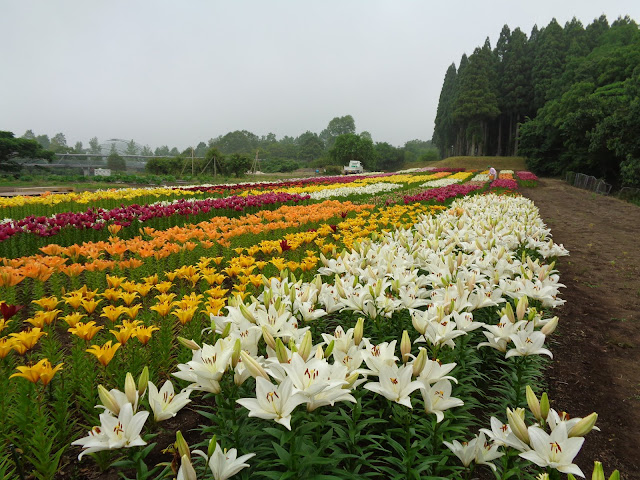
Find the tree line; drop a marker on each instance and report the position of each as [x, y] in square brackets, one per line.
[335, 146]
[567, 98]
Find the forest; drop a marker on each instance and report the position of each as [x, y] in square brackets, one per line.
[567, 98]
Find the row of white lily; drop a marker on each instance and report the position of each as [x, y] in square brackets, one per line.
[441, 270]
[357, 189]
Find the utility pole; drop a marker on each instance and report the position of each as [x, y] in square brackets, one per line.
[192, 161]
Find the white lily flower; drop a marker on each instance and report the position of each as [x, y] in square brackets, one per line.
[465, 451]
[438, 398]
[556, 450]
[114, 432]
[395, 384]
[225, 463]
[501, 434]
[273, 403]
[528, 343]
[378, 356]
[165, 403]
[485, 452]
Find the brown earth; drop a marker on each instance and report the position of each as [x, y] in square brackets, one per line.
[596, 363]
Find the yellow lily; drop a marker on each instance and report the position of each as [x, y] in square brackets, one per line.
[163, 287]
[40, 371]
[73, 318]
[132, 312]
[111, 294]
[151, 280]
[143, 289]
[112, 313]
[27, 338]
[6, 345]
[90, 305]
[47, 303]
[86, 331]
[128, 297]
[163, 308]
[104, 353]
[144, 333]
[185, 315]
[114, 281]
[74, 300]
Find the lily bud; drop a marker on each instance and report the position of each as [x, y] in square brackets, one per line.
[351, 379]
[544, 406]
[405, 346]
[319, 353]
[281, 351]
[534, 404]
[255, 369]
[584, 426]
[212, 446]
[305, 346]
[598, 471]
[615, 475]
[268, 338]
[246, 313]
[232, 301]
[292, 346]
[235, 356]
[226, 331]
[143, 381]
[266, 295]
[187, 470]
[182, 446]
[516, 422]
[550, 326]
[329, 349]
[420, 362]
[508, 311]
[545, 476]
[190, 344]
[522, 306]
[358, 331]
[130, 389]
[108, 400]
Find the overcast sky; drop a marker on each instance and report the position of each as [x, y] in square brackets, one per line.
[179, 72]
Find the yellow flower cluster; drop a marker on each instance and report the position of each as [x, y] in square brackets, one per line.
[89, 197]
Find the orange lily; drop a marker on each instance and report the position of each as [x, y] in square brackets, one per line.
[104, 353]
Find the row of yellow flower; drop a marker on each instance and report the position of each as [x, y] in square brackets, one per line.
[90, 197]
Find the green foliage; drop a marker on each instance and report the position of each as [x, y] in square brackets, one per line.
[116, 163]
[350, 146]
[11, 147]
[236, 164]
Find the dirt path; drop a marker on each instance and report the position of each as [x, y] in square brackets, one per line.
[596, 364]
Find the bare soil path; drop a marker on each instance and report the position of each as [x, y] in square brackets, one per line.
[596, 349]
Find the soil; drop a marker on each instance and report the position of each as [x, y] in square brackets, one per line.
[596, 349]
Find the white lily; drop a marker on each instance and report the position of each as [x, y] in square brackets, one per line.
[165, 403]
[225, 463]
[528, 343]
[395, 384]
[273, 403]
[556, 450]
[438, 398]
[114, 432]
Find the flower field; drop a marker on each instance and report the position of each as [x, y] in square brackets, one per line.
[385, 326]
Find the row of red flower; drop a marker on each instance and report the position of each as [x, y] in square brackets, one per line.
[125, 215]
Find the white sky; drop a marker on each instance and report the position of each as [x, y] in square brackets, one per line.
[179, 72]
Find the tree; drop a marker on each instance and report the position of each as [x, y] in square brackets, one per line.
[388, 156]
[213, 160]
[78, 148]
[94, 146]
[29, 135]
[310, 146]
[161, 151]
[239, 141]
[350, 146]
[444, 131]
[146, 151]
[115, 162]
[44, 141]
[236, 164]
[336, 127]
[174, 151]
[59, 144]
[11, 147]
[132, 148]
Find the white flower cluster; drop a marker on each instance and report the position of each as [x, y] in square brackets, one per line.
[482, 177]
[368, 189]
[441, 182]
